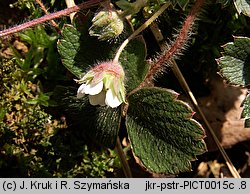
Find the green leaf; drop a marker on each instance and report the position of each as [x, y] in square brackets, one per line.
[134, 64]
[131, 8]
[235, 62]
[99, 123]
[246, 111]
[2, 113]
[124, 4]
[37, 37]
[243, 6]
[68, 48]
[247, 123]
[162, 134]
[40, 45]
[79, 52]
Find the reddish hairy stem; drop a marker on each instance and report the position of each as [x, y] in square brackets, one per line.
[48, 17]
[179, 42]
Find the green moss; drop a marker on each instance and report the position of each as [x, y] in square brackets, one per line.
[32, 144]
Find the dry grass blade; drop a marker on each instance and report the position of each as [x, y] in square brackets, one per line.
[186, 88]
[71, 3]
[46, 12]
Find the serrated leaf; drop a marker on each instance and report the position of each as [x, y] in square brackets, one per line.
[79, 52]
[235, 62]
[162, 134]
[243, 6]
[99, 123]
[68, 48]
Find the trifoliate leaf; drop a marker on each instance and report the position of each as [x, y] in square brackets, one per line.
[243, 6]
[99, 123]
[162, 134]
[80, 51]
[235, 62]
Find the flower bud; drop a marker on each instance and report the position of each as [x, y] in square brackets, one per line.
[106, 25]
[104, 84]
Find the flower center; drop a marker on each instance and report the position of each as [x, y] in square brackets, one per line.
[111, 68]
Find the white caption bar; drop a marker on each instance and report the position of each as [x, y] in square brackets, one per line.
[125, 185]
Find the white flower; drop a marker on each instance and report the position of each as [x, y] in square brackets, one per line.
[104, 84]
[111, 99]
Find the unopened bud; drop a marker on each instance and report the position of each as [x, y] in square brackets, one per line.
[107, 25]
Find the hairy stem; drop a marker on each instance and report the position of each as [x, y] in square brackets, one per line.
[49, 17]
[177, 45]
[158, 35]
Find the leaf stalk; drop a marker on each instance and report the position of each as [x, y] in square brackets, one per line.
[122, 157]
[140, 29]
[49, 17]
